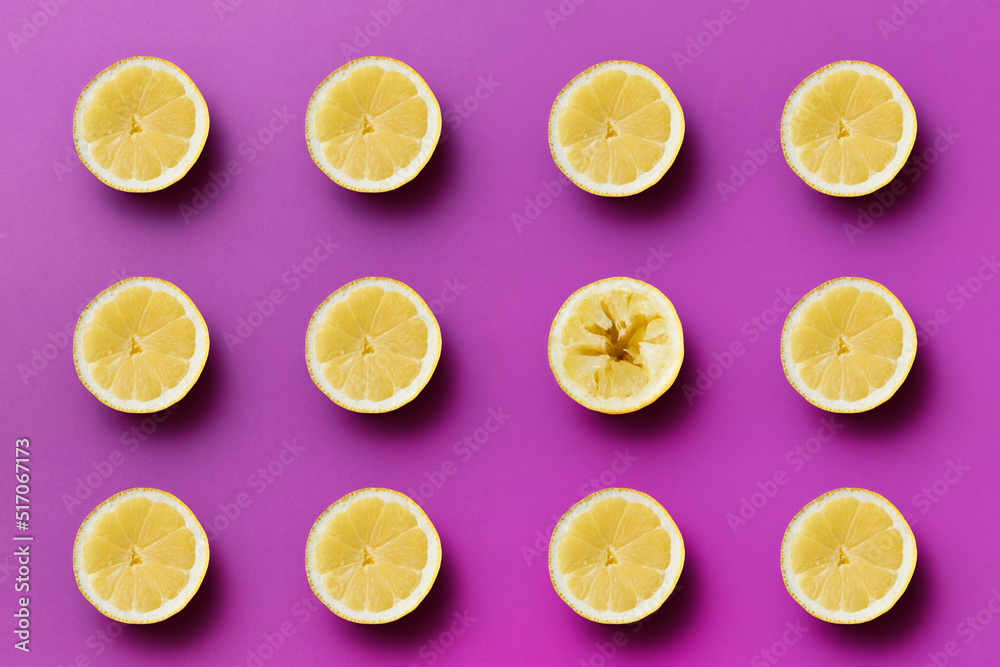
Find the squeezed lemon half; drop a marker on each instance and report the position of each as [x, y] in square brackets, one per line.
[616, 345]
[848, 129]
[615, 556]
[615, 129]
[848, 556]
[140, 345]
[372, 125]
[847, 345]
[140, 556]
[372, 345]
[372, 556]
[140, 124]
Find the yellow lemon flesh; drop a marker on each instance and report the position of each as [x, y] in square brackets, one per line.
[615, 556]
[372, 345]
[616, 345]
[140, 345]
[848, 345]
[140, 125]
[848, 129]
[615, 129]
[372, 556]
[372, 125]
[848, 556]
[140, 556]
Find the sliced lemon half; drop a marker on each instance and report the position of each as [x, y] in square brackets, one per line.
[848, 556]
[140, 124]
[848, 129]
[848, 345]
[372, 556]
[616, 556]
[372, 345]
[615, 129]
[140, 345]
[140, 556]
[372, 125]
[616, 345]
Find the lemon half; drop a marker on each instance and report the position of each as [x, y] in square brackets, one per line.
[848, 129]
[140, 556]
[847, 345]
[372, 345]
[615, 129]
[372, 125]
[848, 556]
[372, 556]
[140, 345]
[616, 345]
[616, 556]
[140, 124]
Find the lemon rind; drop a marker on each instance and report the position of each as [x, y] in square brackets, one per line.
[671, 147]
[169, 176]
[876, 397]
[887, 601]
[671, 574]
[402, 607]
[881, 178]
[170, 396]
[197, 571]
[402, 176]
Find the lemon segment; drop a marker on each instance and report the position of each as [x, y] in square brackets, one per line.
[373, 124]
[848, 345]
[140, 345]
[372, 345]
[140, 556]
[848, 129]
[848, 556]
[615, 556]
[372, 556]
[140, 124]
[616, 345]
[615, 129]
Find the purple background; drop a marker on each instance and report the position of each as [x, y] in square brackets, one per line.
[722, 257]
